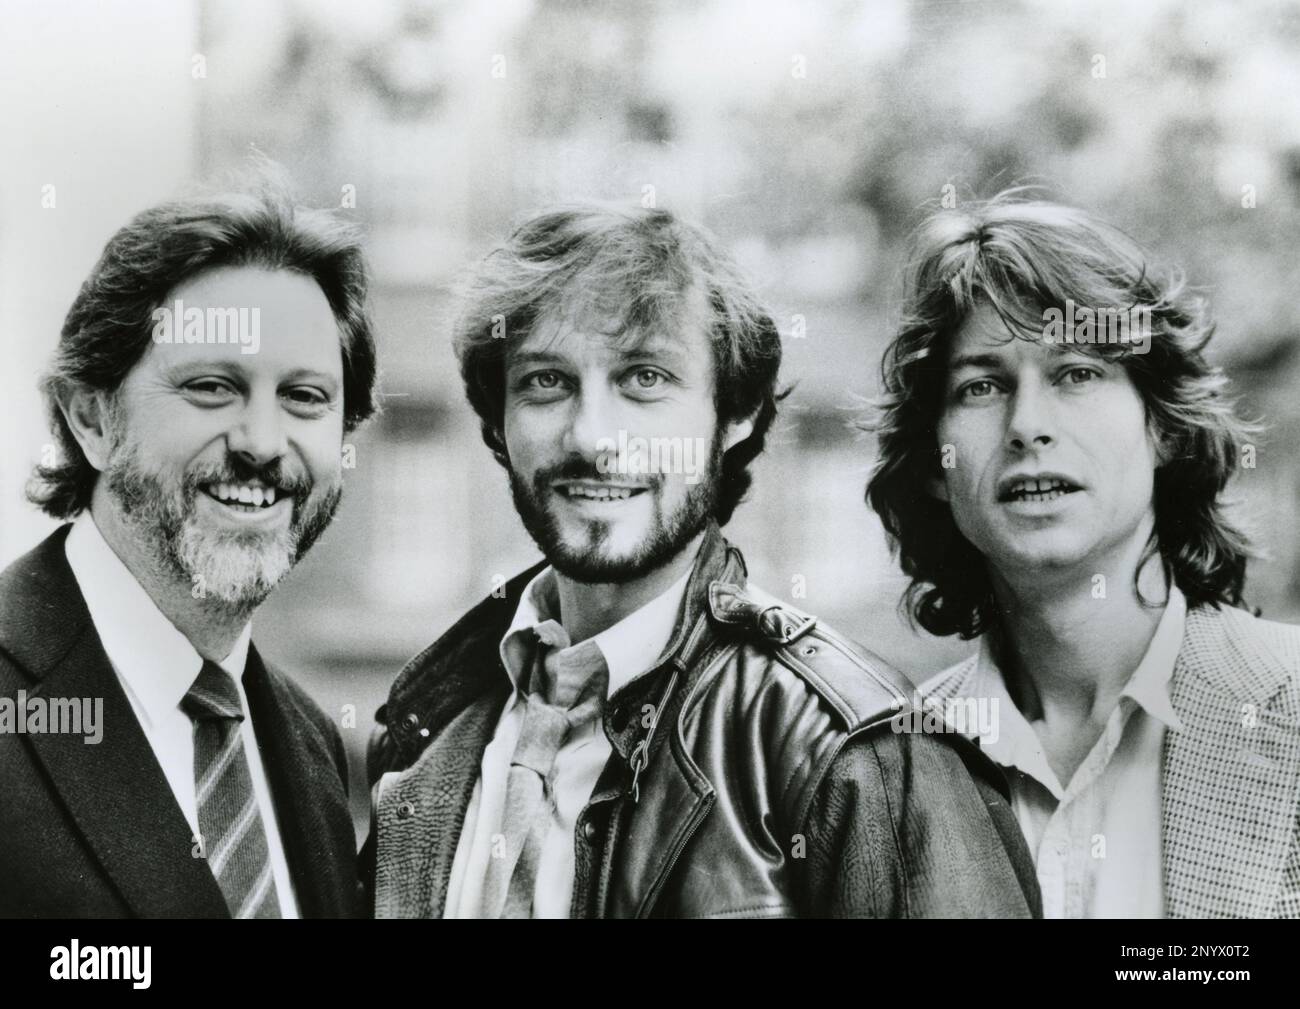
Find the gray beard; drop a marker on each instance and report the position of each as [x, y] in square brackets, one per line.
[238, 570]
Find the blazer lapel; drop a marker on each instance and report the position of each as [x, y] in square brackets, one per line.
[114, 790]
[419, 814]
[310, 800]
[1230, 775]
[955, 681]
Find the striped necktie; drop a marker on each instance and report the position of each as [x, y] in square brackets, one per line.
[230, 824]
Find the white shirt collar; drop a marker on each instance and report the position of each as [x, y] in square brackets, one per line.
[630, 647]
[1017, 745]
[1150, 683]
[154, 659]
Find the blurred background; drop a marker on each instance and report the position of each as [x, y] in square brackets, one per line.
[810, 137]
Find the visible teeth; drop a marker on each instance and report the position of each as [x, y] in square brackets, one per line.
[1042, 491]
[599, 493]
[243, 494]
[1037, 486]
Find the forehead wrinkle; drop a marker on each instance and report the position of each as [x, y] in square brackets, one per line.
[541, 338]
[987, 356]
[568, 321]
[638, 344]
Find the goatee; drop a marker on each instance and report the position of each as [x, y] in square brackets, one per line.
[589, 563]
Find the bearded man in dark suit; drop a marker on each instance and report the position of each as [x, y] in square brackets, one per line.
[205, 377]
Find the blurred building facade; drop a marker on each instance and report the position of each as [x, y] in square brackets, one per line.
[810, 138]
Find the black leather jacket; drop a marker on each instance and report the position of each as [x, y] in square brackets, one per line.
[755, 773]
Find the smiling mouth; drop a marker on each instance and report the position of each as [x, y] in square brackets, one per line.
[1037, 490]
[243, 497]
[597, 491]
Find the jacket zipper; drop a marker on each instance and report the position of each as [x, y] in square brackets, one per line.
[701, 811]
[641, 752]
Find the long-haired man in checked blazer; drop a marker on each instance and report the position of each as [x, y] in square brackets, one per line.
[1054, 448]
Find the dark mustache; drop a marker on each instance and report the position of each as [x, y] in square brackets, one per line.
[576, 467]
[239, 470]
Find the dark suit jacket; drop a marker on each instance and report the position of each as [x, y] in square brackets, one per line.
[93, 830]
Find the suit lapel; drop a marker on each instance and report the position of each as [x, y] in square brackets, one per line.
[1230, 776]
[955, 681]
[114, 790]
[310, 801]
[420, 812]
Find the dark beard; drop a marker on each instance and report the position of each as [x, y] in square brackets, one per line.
[668, 537]
[159, 511]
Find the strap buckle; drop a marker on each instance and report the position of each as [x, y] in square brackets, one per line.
[790, 633]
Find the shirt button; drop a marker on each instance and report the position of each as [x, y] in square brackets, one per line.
[405, 810]
[411, 721]
[589, 831]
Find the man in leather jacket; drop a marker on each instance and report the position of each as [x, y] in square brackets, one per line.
[630, 729]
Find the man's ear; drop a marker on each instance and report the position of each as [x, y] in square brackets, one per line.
[90, 419]
[937, 488]
[738, 430]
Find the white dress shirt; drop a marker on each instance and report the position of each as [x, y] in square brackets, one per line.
[630, 649]
[1096, 839]
[157, 665]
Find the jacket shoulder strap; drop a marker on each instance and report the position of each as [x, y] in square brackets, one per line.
[860, 686]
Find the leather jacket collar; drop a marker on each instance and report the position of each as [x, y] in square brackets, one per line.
[463, 665]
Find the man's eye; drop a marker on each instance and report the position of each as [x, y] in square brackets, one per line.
[979, 389]
[544, 380]
[308, 396]
[210, 387]
[1080, 375]
[647, 378]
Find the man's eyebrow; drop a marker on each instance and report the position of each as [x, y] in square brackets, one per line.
[663, 349]
[975, 361]
[526, 357]
[312, 374]
[642, 350]
[228, 366]
[189, 367]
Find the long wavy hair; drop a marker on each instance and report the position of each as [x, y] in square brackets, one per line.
[1022, 258]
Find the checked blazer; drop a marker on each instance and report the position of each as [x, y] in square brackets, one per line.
[1230, 779]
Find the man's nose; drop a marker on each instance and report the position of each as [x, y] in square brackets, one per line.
[594, 417]
[1032, 423]
[258, 436]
